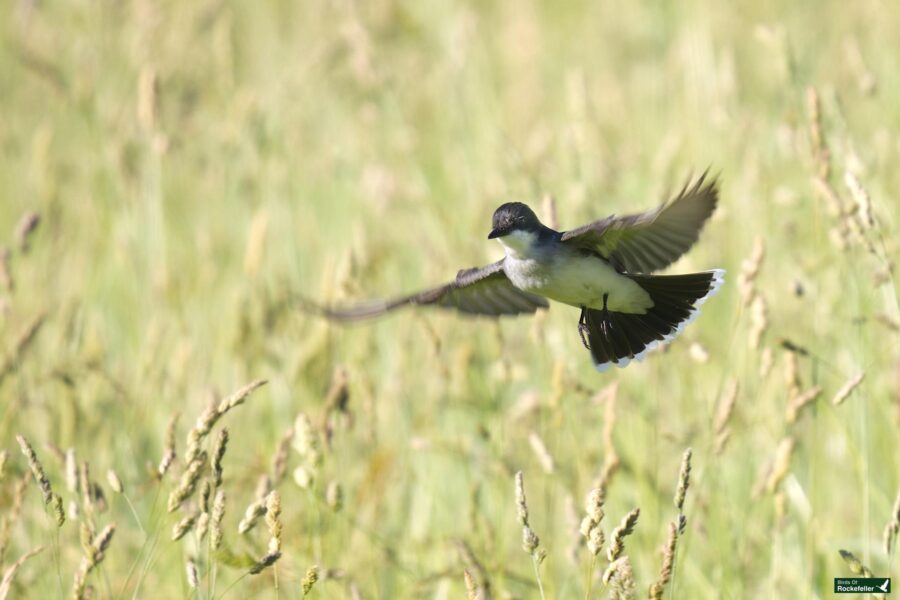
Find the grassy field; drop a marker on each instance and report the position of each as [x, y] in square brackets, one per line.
[194, 165]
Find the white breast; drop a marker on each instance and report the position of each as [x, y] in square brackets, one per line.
[560, 273]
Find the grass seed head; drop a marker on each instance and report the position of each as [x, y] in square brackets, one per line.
[306, 441]
[114, 482]
[799, 402]
[59, 512]
[205, 495]
[193, 577]
[240, 396]
[847, 389]
[726, 406]
[310, 579]
[863, 212]
[471, 586]
[183, 526]
[623, 530]
[273, 512]
[256, 510]
[665, 573]
[86, 537]
[37, 469]
[218, 513]
[100, 544]
[855, 565]
[684, 480]
[263, 487]
[265, 562]
[71, 471]
[521, 502]
[334, 495]
[218, 455]
[188, 482]
[169, 450]
[781, 464]
[595, 540]
[593, 505]
[202, 525]
[280, 458]
[530, 540]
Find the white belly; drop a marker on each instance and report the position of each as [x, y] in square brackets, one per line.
[578, 280]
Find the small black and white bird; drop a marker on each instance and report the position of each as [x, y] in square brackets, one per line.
[603, 268]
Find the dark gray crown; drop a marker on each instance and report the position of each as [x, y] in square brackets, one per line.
[514, 216]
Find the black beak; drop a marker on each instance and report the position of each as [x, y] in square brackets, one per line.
[493, 234]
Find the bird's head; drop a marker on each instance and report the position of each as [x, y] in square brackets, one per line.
[512, 218]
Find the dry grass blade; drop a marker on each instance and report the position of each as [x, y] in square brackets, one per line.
[724, 412]
[820, 151]
[7, 283]
[892, 527]
[10, 573]
[541, 452]
[27, 225]
[21, 345]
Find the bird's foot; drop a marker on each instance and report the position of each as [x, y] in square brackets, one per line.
[583, 328]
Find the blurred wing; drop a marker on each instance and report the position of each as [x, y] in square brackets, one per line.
[653, 240]
[480, 291]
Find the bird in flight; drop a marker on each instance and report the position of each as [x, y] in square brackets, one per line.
[603, 268]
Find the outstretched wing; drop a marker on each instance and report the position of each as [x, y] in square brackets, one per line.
[649, 241]
[480, 291]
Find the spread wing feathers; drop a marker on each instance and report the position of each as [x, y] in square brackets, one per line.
[480, 291]
[649, 241]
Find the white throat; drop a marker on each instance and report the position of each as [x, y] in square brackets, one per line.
[519, 244]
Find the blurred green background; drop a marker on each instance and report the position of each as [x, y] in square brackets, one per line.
[196, 164]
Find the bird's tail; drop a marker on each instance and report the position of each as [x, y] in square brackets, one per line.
[616, 338]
